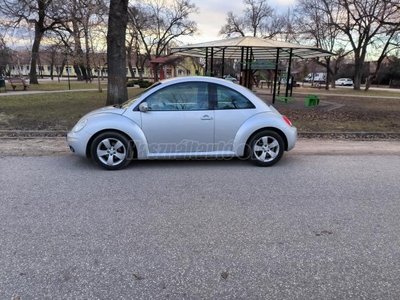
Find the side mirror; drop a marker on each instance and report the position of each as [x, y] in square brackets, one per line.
[143, 107]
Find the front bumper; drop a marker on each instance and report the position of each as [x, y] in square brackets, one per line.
[77, 142]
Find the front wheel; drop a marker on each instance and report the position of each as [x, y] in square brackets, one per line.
[266, 148]
[111, 150]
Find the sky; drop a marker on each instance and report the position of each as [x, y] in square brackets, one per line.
[213, 15]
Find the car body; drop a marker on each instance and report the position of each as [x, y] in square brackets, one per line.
[184, 117]
[344, 82]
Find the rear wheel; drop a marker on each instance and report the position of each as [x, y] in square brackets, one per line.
[266, 148]
[111, 150]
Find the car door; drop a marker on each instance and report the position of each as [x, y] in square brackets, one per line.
[232, 109]
[179, 119]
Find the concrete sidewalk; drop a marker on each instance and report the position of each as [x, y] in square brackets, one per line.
[346, 147]
[58, 146]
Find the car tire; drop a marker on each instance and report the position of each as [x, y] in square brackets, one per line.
[111, 150]
[266, 148]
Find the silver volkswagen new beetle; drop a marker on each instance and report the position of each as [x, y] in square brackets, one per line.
[185, 117]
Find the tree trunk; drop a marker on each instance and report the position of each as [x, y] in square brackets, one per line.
[358, 67]
[155, 73]
[328, 73]
[52, 71]
[368, 82]
[87, 57]
[372, 77]
[116, 52]
[35, 55]
[78, 72]
[131, 70]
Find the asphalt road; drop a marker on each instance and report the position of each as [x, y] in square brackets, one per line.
[311, 227]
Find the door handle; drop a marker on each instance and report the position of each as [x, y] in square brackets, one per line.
[206, 117]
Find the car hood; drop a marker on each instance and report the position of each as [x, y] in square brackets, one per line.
[106, 110]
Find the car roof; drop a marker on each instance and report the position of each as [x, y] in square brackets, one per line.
[194, 78]
[208, 79]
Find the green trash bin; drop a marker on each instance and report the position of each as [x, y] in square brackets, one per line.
[2, 84]
[312, 100]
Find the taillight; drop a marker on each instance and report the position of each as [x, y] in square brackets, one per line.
[287, 121]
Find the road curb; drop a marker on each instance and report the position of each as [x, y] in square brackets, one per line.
[47, 146]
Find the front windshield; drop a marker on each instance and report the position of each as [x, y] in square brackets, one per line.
[129, 102]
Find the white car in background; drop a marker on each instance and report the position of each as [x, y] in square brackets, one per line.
[230, 78]
[344, 82]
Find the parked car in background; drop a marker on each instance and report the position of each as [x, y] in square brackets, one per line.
[231, 78]
[344, 82]
[185, 117]
[315, 77]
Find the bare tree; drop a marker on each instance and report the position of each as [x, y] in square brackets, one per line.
[391, 69]
[116, 52]
[313, 27]
[388, 46]
[81, 17]
[43, 14]
[133, 43]
[234, 26]
[157, 23]
[5, 56]
[53, 57]
[86, 15]
[255, 15]
[283, 26]
[365, 24]
[259, 19]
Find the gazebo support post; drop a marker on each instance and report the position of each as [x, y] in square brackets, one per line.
[249, 72]
[275, 75]
[223, 63]
[288, 74]
[206, 67]
[241, 67]
[246, 84]
[212, 62]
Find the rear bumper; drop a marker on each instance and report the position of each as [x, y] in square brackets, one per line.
[291, 136]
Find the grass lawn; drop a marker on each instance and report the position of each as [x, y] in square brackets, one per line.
[353, 114]
[49, 111]
[375, 111]
[63, 85]
[356, 111]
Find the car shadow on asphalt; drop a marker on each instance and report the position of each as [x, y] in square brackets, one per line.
[227, 163]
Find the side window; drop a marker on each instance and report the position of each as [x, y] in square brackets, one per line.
[182, 96]
[227, 98]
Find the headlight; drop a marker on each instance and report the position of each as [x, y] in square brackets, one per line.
[79, 126]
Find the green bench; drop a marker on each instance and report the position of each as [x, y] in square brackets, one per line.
[312, 100]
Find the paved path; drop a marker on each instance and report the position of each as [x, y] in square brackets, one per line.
[14, 93]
